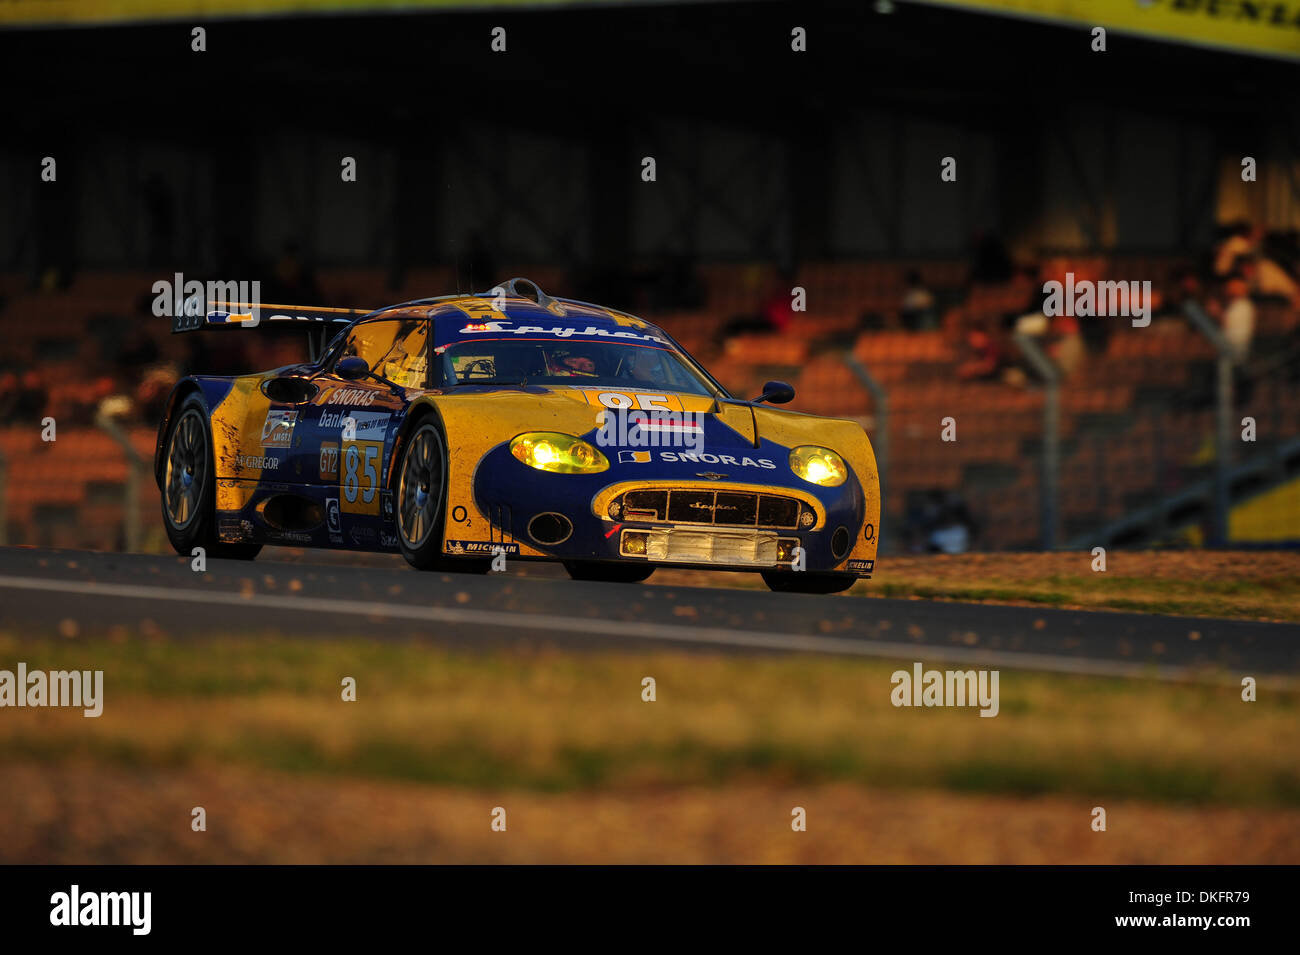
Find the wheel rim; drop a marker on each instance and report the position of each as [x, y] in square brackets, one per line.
[187, 465]
[419, 493]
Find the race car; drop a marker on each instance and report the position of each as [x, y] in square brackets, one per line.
[467, 430]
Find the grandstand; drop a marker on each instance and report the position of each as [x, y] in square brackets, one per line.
[775, 171]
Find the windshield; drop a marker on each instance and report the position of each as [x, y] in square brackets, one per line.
[551, 362]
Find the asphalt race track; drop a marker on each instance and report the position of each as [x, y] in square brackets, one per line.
[42, 589]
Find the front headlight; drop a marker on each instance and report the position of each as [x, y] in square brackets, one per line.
[560, 453]
[818, 465]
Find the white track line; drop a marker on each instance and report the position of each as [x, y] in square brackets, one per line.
[718, 636]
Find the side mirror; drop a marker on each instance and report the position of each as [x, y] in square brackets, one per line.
[352, 368]
[776, 393]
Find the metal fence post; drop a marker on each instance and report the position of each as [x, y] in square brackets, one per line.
[1051, 376]
[881, 398]
[135, 466]
[1223, 419]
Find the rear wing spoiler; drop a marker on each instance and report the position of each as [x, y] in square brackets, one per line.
[242, 315]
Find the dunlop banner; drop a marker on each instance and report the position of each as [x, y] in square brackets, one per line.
[1268, 27]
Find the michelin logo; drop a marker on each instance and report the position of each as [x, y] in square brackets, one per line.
[479, 547]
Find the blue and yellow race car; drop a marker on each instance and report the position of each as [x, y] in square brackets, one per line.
[468, 429]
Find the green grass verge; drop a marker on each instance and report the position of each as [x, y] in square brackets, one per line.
[553, 721]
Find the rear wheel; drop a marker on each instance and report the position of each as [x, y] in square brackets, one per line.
[609, 573]
[789, 582]
[189, 487]
[421, 496]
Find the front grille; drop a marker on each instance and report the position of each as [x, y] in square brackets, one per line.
[721, 508]
[690, 545]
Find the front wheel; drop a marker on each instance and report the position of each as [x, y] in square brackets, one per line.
[791, 582]
[189, 487]
[421, 496]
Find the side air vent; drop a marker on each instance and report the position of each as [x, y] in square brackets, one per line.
[289, 512]
[840, 542]
[289, 390]
[550, 528]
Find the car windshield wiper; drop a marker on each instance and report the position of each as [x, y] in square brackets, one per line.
[490, 381]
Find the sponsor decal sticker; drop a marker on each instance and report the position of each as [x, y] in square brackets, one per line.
[862, 566]
[634, 457]
[277, 429]
[479, 547]
[257, 462]
[557, 331]
[704, 457]
[370, 425]
[351, 397]
[293, 537]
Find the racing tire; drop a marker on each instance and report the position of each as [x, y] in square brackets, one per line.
[189, 487]
[787, 582]
[419, 496]
[608, 573]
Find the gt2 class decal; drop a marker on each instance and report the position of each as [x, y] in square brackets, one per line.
[277, 429]
[329, 462]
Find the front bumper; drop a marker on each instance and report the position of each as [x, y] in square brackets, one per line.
[696, 525]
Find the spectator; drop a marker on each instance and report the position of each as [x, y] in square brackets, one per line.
[918, 310]
[773, 315]
[1238, 317]
[986, 357]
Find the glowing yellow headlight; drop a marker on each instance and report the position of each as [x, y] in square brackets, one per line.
[818, 465]
[560, 453]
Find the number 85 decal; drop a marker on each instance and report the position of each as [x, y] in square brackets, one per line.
[361, 477]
